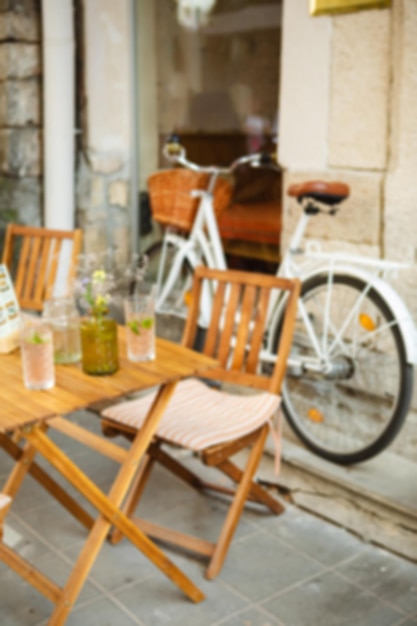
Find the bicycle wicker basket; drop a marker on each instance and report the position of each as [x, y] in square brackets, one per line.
[170, 196]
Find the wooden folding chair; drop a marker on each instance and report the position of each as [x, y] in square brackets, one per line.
[39, 261]
[215, 423]
[37, 258]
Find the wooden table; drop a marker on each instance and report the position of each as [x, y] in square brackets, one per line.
[26, 416]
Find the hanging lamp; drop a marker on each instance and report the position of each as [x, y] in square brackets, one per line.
[193, 14]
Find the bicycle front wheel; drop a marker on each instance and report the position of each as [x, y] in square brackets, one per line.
[172, 311]
[349, 404]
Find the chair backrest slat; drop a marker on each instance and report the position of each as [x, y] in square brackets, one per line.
[53, 267]
[259, 323]
[215, 321]
[33, 256]
[243, 329]
[19, 283]
[225, 340]
[39, 292]
[286, 337]
[31, 268]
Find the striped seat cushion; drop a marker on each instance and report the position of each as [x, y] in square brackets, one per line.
[199, 416]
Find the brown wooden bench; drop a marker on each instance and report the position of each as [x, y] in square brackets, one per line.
[251, 224]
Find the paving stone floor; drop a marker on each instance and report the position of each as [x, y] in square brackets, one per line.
[291, 570]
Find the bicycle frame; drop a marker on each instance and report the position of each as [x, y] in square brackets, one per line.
[311, 261]
[349, 379]
[203, 245]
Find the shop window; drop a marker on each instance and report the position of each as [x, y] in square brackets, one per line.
[217, 87]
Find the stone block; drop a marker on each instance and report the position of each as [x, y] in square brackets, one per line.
[20, 103]
[19, 60]
[83, 184]
[20, 6]
[19, 27]
[305, 70]
[400, 192]
[20, 152]
[106, 163]
[90, 189]
[400, 240]
[359, 218]
[20, 200]
[97, 191]
[95, 237]
[3, 103]
[96, 216]
[121, 243]
[117, 215]
[359, 90]
[118, 193]
[403, 137]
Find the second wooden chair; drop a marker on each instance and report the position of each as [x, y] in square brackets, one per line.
[216, 424]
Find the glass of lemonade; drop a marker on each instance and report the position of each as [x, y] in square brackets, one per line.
[37, 350]
[140, 322]
[64, 319]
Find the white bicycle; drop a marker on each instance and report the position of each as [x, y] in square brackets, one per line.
[349, 380]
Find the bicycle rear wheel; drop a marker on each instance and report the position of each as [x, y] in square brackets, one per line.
[352, 411]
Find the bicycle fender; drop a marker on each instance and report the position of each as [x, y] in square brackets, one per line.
[393, 300]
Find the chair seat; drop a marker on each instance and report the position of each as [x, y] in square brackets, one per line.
[199, 416]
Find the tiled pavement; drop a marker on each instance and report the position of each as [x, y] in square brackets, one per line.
[292, 570]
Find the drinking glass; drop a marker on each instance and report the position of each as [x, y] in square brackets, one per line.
[37, 350]
[62, 315]
[140, 323]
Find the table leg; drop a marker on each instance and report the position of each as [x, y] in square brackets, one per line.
[134, 496]
[20, 469]
[42, 478]
[109, 507]
[22, 567]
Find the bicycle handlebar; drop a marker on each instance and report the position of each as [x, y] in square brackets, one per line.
[175, 152]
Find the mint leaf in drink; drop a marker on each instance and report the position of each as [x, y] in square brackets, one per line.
[147, 323]
[37, 338]
[134, 326]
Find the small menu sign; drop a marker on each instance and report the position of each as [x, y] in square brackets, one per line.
[9, 313]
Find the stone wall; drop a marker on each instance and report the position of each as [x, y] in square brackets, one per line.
[347, 112]
[348, 92]
[399, 235]
[20, 113]
[103, 201]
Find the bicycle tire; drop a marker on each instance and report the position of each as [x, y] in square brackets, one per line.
[170, 321]
[350, 419]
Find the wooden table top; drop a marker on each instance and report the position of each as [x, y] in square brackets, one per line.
[76, 390]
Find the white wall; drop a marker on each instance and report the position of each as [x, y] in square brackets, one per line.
[107, 75]
[304, 89]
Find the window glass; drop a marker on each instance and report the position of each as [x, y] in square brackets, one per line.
[218, 85]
